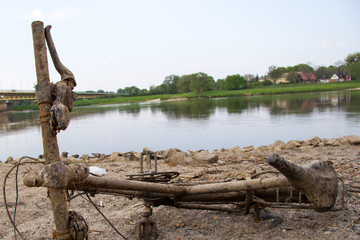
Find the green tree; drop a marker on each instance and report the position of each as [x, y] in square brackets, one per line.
[220, 84]
[267, 82]
[303, 68]
[100, 91]
[143, 92]
[276, 72]
[250, 77]
[354, 70]
[183, 84]
[132, 90]
[235, 82]
[200, 82]
[292, 76]
[154, 90]
[322, 72]
[169, 86]
[120, 90]
[352, 58]
[332, 70]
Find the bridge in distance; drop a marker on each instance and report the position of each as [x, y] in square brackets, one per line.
[13, 95]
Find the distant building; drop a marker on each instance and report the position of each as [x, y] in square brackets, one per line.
[306, 77]
[282, 79]
[324, 80]
[344, 77]
[265, 79]
[334, 78]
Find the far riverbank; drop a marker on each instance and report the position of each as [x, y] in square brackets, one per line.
[264, 90]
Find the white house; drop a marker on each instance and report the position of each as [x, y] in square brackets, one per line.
[334, 78]
[342, 78]
[325, 80]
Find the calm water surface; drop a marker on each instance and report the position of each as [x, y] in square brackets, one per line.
[189, 125]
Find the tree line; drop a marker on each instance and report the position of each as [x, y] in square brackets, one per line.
[196, 82]
[200, 82]
[350, 65]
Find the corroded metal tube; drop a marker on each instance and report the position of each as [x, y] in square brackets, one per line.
[111, 183]
[50, 145]
[65, 73]
[318, 180]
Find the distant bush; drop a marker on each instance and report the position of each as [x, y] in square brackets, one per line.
[267, 82]
[254, 84]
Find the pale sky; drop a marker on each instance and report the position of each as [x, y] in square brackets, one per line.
[114, 44]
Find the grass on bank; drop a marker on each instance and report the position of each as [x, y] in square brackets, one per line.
[263, 90]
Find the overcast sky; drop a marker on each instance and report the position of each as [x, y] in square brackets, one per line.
[114, 44]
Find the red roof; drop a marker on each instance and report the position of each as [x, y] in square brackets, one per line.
[307, 76]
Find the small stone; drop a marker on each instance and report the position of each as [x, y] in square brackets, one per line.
[72, 158]
[176, 158]
[277, 148]
[9, 160]
[85, 157]
[235, 149]
[248, 149]
[262, 148]
[146, 150]
[278, 143]
[293, 144]
[268, 214]
[205, 158]
[344, 140]
[313, 141]
[172, 152]
[354, 139]
[329, 142]
[114, 156]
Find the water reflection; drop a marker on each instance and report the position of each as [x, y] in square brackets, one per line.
[297, 104]
[190, 124]
[190, 109]
[10, 121]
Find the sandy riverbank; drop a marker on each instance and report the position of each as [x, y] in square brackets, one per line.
[34, 216]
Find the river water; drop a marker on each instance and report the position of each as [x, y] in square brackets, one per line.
[189, 125]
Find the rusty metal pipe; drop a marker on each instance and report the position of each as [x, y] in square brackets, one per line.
[253, 184]
[111, 183]
[318, 180]
[268, 195]
[50, 145]
[65, 73]
[216, 207]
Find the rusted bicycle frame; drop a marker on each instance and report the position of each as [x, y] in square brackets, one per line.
[314, 184]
